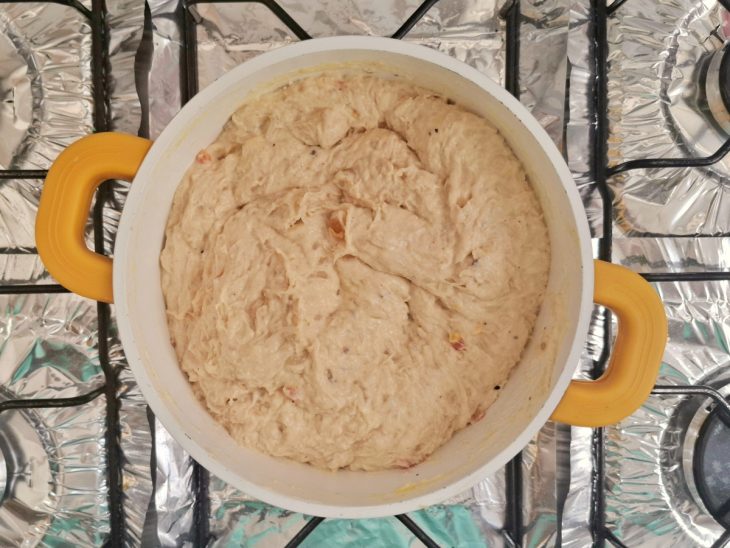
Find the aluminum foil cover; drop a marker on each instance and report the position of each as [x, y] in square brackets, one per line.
[661, 51]
[575, 501]
[45, 81]
[656, 55]
[54, 489]
[470, 30]
[54, 476]
[52, 341]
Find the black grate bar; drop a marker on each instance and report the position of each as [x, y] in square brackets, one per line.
[189, 72]
[599, 156]
[23, 174]
[613, 539]
[189, 54]
[419, 533]
[599, 162]
[99, 60]
[23, 289]
[687, 277]
[70, 3]
[44, 403]
[114, 457]
[598, 502]
[514, 523]
[19, 250]
[414, 18]
[724, 540]
[511, 14]
[275, 8]
[616, 4]
[696, 390]
[189, 87]
[304, 532]
[284, 17]
[201, 508]
[514, 526]
[671, 162]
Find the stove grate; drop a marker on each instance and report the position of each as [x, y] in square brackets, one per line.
[510, 13]
[96, 16]
[601, 172]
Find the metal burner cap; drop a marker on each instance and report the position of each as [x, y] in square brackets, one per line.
[717, 87]
[711, 468]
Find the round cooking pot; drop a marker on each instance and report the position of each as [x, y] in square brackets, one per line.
[540, 386]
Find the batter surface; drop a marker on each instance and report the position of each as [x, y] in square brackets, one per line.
[351, 270]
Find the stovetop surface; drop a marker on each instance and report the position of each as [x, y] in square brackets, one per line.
[626, 90]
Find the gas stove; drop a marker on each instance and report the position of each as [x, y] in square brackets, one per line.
[637, 95]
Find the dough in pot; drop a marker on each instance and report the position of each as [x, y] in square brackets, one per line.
[351, 270]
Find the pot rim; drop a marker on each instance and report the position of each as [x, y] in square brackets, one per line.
[135, 203]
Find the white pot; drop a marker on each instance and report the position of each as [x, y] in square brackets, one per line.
[526, 402]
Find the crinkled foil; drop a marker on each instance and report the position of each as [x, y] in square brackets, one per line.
[580, 125]
[45, 51]
[575, 503]
[471, 519]
[125, 20]
[18, 206]
[54, 475]
[470, 30]
[46, 87]
[48, 346]
[543, 62]
[136, 443]
[651, 498]
[172, 513]
[45, 59]
[656, 51]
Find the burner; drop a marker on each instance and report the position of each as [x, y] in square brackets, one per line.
[698, 437]
[659, 57]
[691, 78]
[711, 466]
[680, 435]
[45, 53]
[55, 485]
[717, 87]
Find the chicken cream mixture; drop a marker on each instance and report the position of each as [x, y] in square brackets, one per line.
[351, 270]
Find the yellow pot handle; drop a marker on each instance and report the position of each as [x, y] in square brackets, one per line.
[64, 207]
[77, 172]
[636, 357]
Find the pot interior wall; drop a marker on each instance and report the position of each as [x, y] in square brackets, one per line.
[524, 403]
